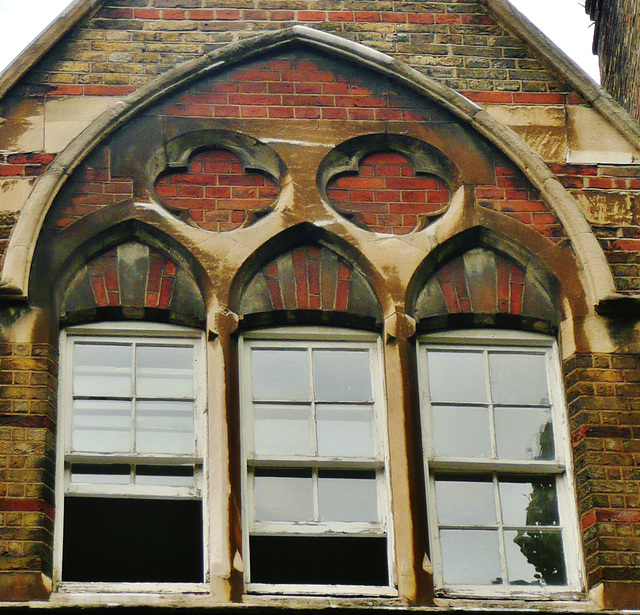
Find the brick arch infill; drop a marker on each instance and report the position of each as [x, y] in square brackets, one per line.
[558, 275]
[105, 229]
[306, 234]
[599, 282]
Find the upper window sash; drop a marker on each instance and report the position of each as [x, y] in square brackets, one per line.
[517, 438]
[508, 392]
[183, 397]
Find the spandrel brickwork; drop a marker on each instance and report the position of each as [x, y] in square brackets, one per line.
[122, 47]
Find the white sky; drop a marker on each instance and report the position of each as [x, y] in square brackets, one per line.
[564, 21]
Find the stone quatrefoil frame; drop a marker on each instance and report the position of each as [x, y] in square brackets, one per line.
[193, 168]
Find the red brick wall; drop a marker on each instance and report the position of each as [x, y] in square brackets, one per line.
[603, 394]
[514, 196]
[90, 188]
[28, 389]
[297, 86]
[24, 165]
[386, 195]
[216, 193]
[458, 43]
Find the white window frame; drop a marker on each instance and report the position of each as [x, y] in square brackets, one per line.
[128, 332]
[316, 337]
[560, 467]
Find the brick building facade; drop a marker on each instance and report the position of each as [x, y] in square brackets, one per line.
[313, 304]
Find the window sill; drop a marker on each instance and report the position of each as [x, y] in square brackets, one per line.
[347, 591]
[575, 603]
[99, 589]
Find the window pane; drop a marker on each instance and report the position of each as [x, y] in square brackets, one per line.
[342, 375]
[524, 433]
[165, 427]
[165, 476]
[348, 496]
[471, 557]
[529, 503]
[164, 371]
[99, 474]
[132, 540]
[102, 370]
[281, 375]
[461, 432]
[101, 426]
[535, 558]
[282, 430]
[456, 376]
[282, 496]
[345, 431]
[324, 560]
[518, 378]
[465, 502]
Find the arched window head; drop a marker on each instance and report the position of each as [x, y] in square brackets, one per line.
[133, 281]
[482, 287]
[310, 281]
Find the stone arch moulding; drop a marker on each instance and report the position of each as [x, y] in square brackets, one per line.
[104, 230]
[133, 281]
[597, 274]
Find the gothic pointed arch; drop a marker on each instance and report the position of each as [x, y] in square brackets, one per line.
[133, 281]
[470, 119]
[114, 266]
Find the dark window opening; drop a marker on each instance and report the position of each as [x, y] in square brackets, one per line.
[319, 560]
[132, 540]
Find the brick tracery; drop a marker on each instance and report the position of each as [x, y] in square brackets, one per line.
[216, 193]
[386, 195]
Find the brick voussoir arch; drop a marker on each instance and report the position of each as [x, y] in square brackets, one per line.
[308, 236]
[15, 276]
